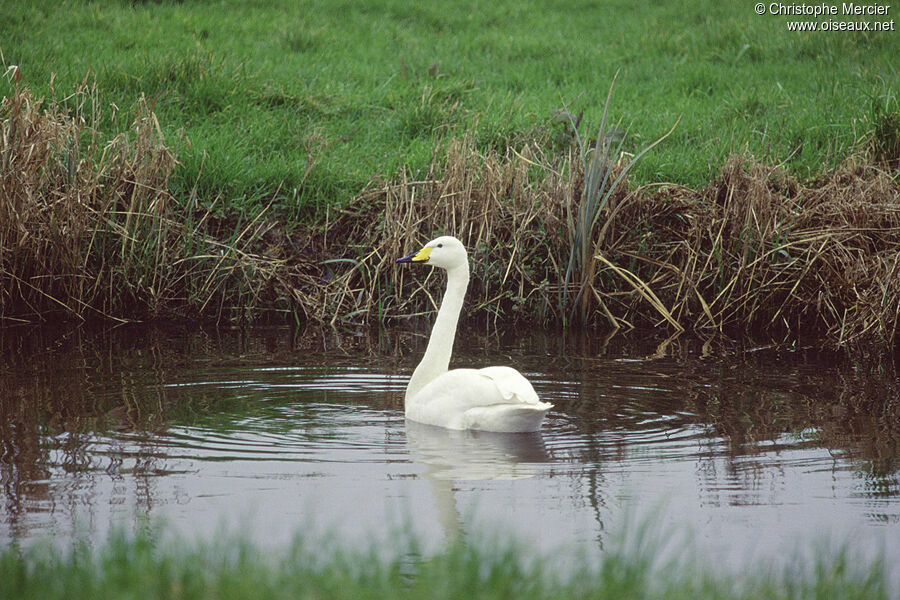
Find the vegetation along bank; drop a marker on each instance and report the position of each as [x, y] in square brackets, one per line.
[90, 229]
[265, 164]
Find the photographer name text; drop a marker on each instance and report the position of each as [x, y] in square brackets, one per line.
[827, 10]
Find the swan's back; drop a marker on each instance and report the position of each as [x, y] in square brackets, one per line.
[490, 399]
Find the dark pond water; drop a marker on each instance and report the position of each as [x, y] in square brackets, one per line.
[755, 451]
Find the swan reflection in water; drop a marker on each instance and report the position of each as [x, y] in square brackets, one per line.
[470, 455]
[452, 456]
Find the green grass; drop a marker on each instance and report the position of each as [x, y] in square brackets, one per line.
[141, 566]
[253, 94]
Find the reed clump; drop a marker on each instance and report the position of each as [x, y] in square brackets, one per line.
[759, 250]
[88, 227]
[77, 211]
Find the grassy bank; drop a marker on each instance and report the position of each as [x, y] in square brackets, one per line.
[90, 228]
[141, 567]
[304, 103]
[267, 163]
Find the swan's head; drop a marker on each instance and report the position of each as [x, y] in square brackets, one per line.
[446, 252]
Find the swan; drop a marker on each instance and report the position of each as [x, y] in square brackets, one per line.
[490, 399]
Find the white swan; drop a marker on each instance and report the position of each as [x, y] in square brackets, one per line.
[490, 399]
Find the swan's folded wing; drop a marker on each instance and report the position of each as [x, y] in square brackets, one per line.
[513, 387]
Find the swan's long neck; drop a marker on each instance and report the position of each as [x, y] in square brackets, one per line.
[440, 345]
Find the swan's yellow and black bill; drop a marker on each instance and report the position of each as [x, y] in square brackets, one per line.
[420, 256]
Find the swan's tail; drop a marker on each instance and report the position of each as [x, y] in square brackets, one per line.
[507, 418]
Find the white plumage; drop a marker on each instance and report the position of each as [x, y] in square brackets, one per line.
[489, 399]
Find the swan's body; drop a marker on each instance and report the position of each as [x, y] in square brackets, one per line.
[490, 399]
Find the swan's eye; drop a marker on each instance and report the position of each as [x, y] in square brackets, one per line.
[440, 245]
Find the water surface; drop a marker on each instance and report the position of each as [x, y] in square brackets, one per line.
[756, 451]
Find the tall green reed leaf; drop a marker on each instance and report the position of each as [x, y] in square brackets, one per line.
[600, 182]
